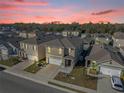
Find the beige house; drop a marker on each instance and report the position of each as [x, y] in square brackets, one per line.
[64, 52]
[68, 33]
[34, 48]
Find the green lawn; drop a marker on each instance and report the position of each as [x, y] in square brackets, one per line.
[33, 68]
[78, 77]
[10, 62]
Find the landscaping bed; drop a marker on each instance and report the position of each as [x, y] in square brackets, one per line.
[33, 68]
[78, 77]
[36, 66]
[10, 62]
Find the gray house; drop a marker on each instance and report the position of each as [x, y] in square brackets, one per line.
[64, 52]
[118, 39]
[102, 38]
[104, 62]
[5, 51]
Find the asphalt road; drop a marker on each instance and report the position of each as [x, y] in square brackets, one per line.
[13, 84]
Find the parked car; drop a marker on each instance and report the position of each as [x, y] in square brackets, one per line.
[116, 83]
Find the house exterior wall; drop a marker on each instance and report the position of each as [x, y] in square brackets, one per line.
[102, 40]
[71, 33]
[23, 34]
[30, 50]
[118, 42]
[54, 52]
[31, 35]
[41, 52]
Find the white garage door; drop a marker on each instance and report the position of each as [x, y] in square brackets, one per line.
[110, 71]
[56, 61]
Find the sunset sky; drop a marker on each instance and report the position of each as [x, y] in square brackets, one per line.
[66, 11]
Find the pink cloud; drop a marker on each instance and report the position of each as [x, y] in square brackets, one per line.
[63, 14]
[23, 3]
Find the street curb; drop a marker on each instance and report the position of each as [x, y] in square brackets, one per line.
[78, 88]
[38, 81]
[4, 66]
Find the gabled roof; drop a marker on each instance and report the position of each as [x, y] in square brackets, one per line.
[98, 53]
[54, 43]
[40, 39]
[65, 42]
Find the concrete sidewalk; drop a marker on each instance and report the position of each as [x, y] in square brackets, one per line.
[83, 89]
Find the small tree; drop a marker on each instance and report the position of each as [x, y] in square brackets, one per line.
[94, 67]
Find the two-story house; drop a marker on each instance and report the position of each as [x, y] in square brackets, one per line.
[118, 39]
[33, 48]
[70, 33]
[64, 52]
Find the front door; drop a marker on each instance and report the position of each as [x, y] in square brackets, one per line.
[67, 63]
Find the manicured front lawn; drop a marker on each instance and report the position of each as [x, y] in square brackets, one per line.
[78, 77]
[33, 68]
[10, 62]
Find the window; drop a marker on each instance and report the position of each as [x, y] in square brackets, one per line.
[60, 51]
[26, 46]
[49, 49]
[34, 48]
[69, 50]
[23, 45]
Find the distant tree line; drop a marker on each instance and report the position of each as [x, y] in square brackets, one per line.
[88, 27]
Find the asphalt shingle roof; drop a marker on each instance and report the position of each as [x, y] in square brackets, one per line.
[98, 53]
[41, 39]
[66, 42]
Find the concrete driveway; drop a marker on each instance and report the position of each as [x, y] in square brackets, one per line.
[44, 74]
[104, 86]
[48, 72]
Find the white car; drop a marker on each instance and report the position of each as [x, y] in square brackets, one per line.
[116, 83]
